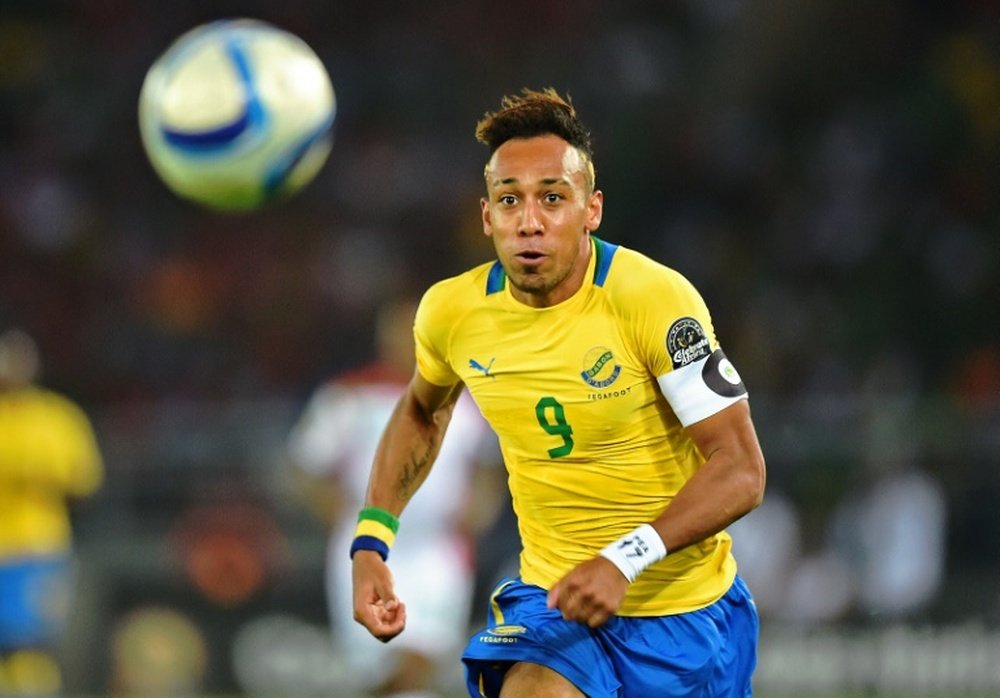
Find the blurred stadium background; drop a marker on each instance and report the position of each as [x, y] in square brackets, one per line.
[825, 172]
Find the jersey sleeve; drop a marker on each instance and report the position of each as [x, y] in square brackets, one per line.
[431, 334]
[691, 369]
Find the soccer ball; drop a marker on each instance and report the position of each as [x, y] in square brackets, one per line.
[236, 114]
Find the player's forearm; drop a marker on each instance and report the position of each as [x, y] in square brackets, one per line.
[409, 445]
[729, 484]
[719, 494]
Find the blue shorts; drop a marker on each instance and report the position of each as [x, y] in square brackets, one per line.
[34, 601]
[708, 653]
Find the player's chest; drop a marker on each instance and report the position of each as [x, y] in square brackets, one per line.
[541, 367]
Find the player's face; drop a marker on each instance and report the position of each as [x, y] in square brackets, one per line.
[539, 211]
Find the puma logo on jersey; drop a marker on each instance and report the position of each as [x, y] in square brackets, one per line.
[484, 369]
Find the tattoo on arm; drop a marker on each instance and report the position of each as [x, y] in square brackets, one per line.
[410, 476]
[414, 472]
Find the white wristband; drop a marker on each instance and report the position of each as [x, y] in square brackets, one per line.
[635, 551]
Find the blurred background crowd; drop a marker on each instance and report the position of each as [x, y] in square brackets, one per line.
[826, 173]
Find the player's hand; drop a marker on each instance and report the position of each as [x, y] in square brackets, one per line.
[590, 593]
[375, 604]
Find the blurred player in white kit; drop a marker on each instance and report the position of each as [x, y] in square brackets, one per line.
[332, 444]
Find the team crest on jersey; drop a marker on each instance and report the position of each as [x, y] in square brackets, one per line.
[599, 368]
[686, 342]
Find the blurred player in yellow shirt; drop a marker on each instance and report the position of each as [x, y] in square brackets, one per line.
[48, 456]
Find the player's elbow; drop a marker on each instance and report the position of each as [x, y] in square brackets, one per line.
[754, 476]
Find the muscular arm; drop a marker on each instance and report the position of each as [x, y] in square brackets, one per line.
[409, 445]
[728, 485]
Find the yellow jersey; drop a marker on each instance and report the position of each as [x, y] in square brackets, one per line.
[48, 453]
[589, 399]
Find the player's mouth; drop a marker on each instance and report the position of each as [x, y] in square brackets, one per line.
[530, 258]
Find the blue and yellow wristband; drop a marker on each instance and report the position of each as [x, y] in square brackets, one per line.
[376, 531]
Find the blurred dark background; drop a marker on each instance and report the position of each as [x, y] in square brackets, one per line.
[826, 173]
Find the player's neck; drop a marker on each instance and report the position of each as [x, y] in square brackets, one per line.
[566, 288]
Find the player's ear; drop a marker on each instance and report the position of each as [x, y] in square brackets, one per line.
[595, 210]
[484, 205]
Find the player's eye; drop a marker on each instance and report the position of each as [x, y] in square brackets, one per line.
[553, 198]
[507, 199]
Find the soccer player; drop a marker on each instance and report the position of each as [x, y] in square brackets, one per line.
[332, 445]
[625, 431]
[48, 457]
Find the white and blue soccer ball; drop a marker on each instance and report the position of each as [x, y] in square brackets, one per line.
[236, 114]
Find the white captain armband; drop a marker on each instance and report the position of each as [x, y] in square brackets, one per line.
[635, 551]
[703, 387]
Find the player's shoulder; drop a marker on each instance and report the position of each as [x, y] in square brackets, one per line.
[454, 293]
[50, 400]
[633, 276]
[55, 409]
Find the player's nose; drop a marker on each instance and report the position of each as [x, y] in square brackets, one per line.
[531, 222]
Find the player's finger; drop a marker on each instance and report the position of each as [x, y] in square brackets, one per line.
[598, 618]
[567, 604]
[552, 600]
[561, 592]
[391, 621]
[571, 606]
[376, 611]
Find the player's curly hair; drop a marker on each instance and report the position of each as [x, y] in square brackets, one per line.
[535, 113]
